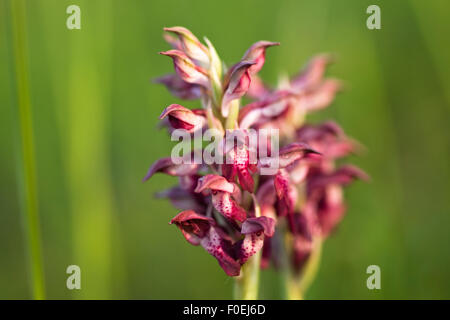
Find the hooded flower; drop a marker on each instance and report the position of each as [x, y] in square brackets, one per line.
[186, 68]
[236, 84]
[257, 54]
[224, 196]
[189, 43]
[183, 118]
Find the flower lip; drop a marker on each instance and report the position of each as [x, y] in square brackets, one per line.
[215, 183]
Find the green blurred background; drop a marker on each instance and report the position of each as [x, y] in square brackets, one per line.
[95, 115]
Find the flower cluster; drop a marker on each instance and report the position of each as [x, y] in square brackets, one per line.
[230, 209]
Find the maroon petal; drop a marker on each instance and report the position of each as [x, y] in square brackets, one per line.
[257, 54]
[194, 226]
[165, 165]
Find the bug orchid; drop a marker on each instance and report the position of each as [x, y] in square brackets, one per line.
[237, 209]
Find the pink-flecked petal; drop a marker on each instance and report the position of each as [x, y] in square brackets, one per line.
[227, 206]
[186, 68]
[166, 165]
[183, 118]
[286, 193]
[236, 84]
[252, 243]
[257, 54]
[221, 249]
[180, 88]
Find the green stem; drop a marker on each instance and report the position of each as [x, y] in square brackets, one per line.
[312, 266]
[27, 169]
[297, 285]
[233, 116]
[247, 283]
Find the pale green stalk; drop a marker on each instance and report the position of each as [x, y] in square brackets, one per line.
[27, 168]
[296, 285]
[233, 116]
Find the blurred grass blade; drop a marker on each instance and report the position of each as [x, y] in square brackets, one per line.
[26, 160]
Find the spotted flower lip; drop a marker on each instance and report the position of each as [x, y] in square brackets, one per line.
[186, 68]
[166, 165]
[257, 53]
[189, 43]
[184, 118]
[236, 84]
[239, 152]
